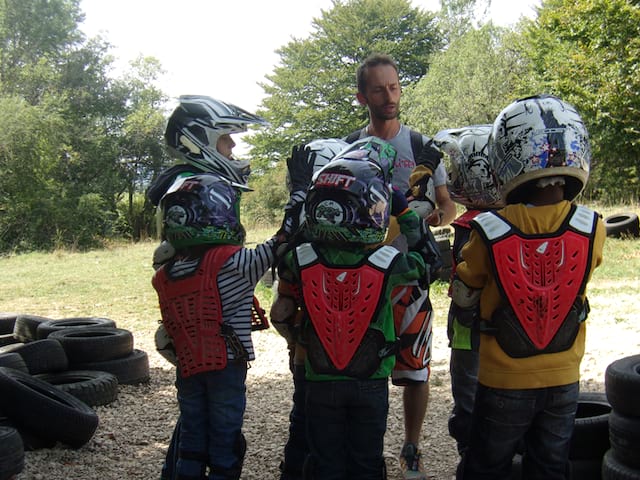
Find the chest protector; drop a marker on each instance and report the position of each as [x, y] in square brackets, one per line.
[542, 278]
[342, 304]
[192, 312]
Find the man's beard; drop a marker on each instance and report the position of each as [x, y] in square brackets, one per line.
[381, 114]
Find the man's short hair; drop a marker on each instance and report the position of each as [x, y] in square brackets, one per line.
[372, 61]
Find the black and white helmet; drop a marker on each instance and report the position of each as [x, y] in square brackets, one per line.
[193, 130]
[471, 180]
[539, 137]
[325, 149]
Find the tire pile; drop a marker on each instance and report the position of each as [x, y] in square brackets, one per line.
[52, 372]
[622, 384]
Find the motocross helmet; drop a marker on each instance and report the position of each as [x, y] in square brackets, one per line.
[323, 150]
[538, 137]
[202, 209]
[471, 180]
[193, 130]
[348, 201]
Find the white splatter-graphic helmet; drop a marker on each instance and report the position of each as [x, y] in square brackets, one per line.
[537, 137]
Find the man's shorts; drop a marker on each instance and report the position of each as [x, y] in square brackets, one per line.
[413, 314]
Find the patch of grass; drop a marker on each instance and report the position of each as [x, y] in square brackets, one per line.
[116, 282]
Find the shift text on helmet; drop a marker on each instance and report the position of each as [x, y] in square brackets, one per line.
[334, 180]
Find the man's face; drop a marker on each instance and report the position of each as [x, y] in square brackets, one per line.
[225, 145]
[382, 96]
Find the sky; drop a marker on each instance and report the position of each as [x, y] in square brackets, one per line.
[222, 48]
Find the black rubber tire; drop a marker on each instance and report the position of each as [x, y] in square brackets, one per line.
[11, 453]
[94, 344]
[13, 360]
[622, 383]
[130, 370]
[624, 433]
[45, 410]
[26, 326]
[93, 387]
[7, 339]
[30, 441]
[589, 469]
[590, 439]
[47, 328]
[43, 356]
[7, 322]
[622, 225]
[612, 469]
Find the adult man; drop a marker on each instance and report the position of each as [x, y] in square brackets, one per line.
[379, 90]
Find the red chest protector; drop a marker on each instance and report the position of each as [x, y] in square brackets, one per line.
[192, 312]
[342, 302]
[541, 276]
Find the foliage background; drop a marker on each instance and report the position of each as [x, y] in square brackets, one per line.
[79, 146]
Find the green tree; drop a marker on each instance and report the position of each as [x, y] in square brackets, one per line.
[142, 155]
[88, 139]
[468, 83]
[311, 92]
[588, 52]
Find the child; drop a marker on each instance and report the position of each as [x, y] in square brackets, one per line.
[473, 184]
[303, 163]
[205, 293]
[199, 133]
[526, 268]
[346, 280]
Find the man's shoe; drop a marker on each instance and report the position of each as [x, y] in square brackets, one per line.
[411, 463]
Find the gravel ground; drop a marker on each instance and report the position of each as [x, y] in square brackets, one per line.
[134, 431]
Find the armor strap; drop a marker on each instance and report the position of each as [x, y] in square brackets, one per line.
[192, 312]
[343, 301]
[540, 275]
[464, 220]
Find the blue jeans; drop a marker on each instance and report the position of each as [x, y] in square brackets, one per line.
[542, 417]
[296, 449]
[346, 423]
[212, 406]
[463, 368]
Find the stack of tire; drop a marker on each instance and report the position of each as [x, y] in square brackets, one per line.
[52, 372]
[622, 384]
